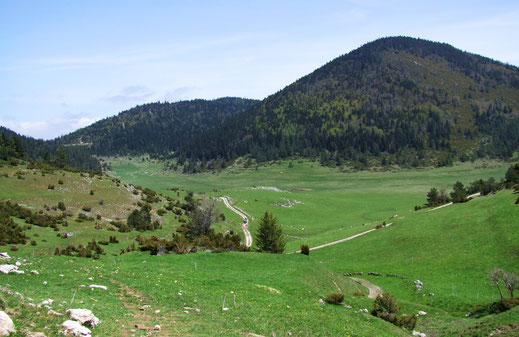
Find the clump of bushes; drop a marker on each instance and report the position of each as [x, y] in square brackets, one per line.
[335, 298]
[161, 211]
[91, 250]
[60, 182]
[83, 217]
[387, 308]
[500, 306]
[91, 192]
[50, 187]
[61, 206]
[86, 208]
[305, 249]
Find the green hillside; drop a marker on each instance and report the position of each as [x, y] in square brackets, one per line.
[397, 100]
[156, 128]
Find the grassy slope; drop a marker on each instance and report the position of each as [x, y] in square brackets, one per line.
[450, 250]
[334, 204]
[450, 267]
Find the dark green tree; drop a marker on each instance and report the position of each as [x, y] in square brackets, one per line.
[61, 157]
[269, 237]
[433, 197]
[459, 193]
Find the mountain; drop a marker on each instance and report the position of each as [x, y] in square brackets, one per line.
[156, 128]
[76, 156]
[397, 100]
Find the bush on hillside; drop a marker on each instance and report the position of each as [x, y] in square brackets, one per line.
[386, 307]
[305, 249]
[61, 206]
[495, 308]
[335, 298]
[359, 293]
[517, 201]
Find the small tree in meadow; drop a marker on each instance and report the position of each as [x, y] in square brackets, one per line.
[269, 237]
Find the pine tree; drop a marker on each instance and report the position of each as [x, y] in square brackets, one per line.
[269, 237]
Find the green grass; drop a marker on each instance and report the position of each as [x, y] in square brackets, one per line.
[334, 204]
[450, 250]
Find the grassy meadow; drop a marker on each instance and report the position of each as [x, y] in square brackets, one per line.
[450, 250]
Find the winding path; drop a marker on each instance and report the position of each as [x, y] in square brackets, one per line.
[374, 291]
[244, 226]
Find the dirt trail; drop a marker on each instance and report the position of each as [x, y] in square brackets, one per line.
[245, 225]
[374, 291]
[143, 317]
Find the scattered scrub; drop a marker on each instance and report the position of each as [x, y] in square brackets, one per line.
[335, 298]
[305, 249]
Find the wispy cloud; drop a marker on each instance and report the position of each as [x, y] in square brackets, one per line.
[133, 93]
[48, 129]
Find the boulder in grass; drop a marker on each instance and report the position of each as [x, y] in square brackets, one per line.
[6, 324]
[75, 328]
[7, 268]
[83, 316]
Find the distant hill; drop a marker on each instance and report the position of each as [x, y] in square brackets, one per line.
[156, 128]
[77, 156]
[397, 100]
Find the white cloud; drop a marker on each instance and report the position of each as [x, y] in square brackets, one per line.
[48, 129]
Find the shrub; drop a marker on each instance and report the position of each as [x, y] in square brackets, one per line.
[91, 192]
[101, 202]
[33, 243]
[496, 307]
[335, 298]
[61, 206]
[517, 201]
[50, 187]
[86, 208]
[385, 303]
[305, 249]
[60, 182]
[161, 211]
[359, 293]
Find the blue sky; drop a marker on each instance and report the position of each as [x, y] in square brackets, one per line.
[65, 64]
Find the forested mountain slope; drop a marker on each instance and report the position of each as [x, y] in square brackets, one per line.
[411, 100]
[156, 128]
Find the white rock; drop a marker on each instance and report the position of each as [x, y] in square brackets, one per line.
[419, 334]
[95, 286]
[364, 310]
[7, 268]
[83, 316]
[90, 278]
[18, 271]
[47, 302]
[156, 327]
[60, 275]
[321, 301]
[4, 256]
[6, 324]
[422, 313]
[75, 329]
[35, 272]
[18, 263]
[44, 283]
[54, 313]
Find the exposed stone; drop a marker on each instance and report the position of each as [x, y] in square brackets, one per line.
[156, 327]
[75, 329]
[95, 286]
[6, 324]
[54, 313]
[419, 334]
[83, 316]
[422, 313]
[7, 268]
[141, 327]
